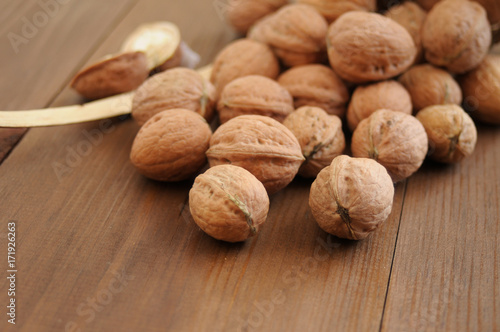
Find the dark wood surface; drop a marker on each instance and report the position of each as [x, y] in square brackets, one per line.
[101, 248]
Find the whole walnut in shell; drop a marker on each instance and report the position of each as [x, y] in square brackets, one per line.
[261, 145]
[456, 35]
[320, 137]
[367, 99]
[316, 85]
[242, 14]
[171, 145]
[451, 132]
[396, 140]
[429, 86]
[254, 95]
[241, 58]
[228, 203]
[481, 88]
[352, 197]
[174, 88]
[365, 47]
[296, 33]
[332, 9]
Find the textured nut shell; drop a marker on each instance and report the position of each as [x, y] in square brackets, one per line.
[427, 4]
[316, 85]
[411, 16]
[254, 95]
[171, 145]
[242, 14]
[451, 132]
[320, 137]
[296, 33]
[228, 203]
[174, 88]
[481, 88]
[241, 58]
[261, 145]
[429, 86]
[396, 140]
[111, 76]
[370, 98]
[365, 47]
[352, 197]
[332, 9]
[456, 35]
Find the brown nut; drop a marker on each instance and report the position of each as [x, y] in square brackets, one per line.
[240, 58]
[316, 85]
[111, 76]
[396, 140]
[228, 203]
[411, 16]
[261, 145]
[370, 98]
[365, 47]
[171, 145]
[320, 137]
[352, 197]
[254, 95]
[296, 33]
[174, 88]
[456, 35]
[427, 4]
[429, 86]
[451, 132]
[481, 88]
[333, 9]
[242, 14]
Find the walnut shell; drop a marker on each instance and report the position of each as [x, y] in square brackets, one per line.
[382, 95]
[241, 58]
[429, 86]
[261, 145]
[333, 9]
[111, 76]
[396, 140]
[411, 16]
[254, 95]
[352, 197]
[456, 35]
[171, 145]
[174, 88]
[228, 203]
[365, 47]
[481, 88]
[316, 85]
[451, 132]
[296, 33]
[242, 14]
[320, 136]
[427, 4]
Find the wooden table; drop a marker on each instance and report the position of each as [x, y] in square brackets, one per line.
[101, 248]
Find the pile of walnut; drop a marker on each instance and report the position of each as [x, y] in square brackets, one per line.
[306, 75]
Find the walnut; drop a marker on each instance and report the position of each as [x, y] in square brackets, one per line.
[427, 4]
[228, 203]
[352, 197]
[481, 88]
[332, 9]
[296, 33]
[171, 145]
[261, 145]
[316, 85]
[173, 88]
[382, 95]
[242, 14]
[320, 137]
[365, 47]
[456, 35]
[396, 140]
[254, 94]
[241, 58]
[452, 133]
